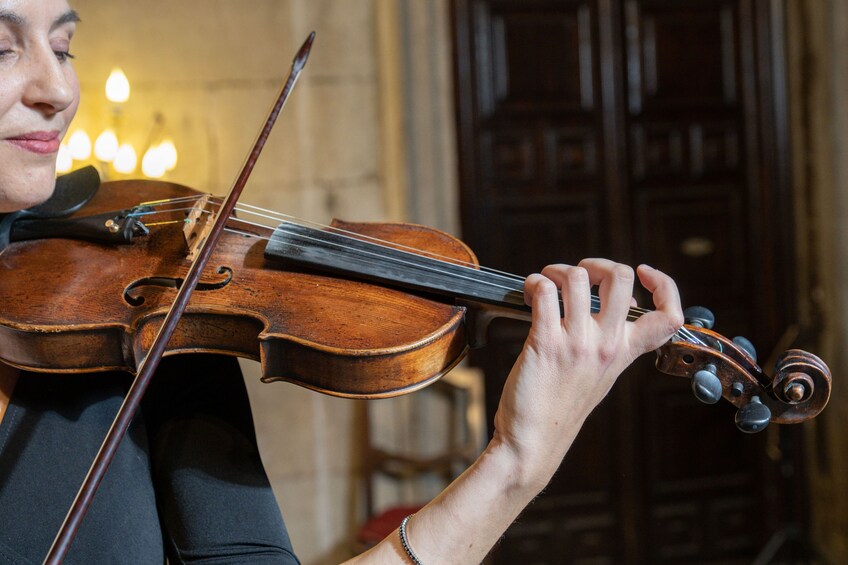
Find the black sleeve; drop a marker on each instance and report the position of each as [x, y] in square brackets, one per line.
[215, 501]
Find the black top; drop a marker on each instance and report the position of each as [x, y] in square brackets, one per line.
[187, 481]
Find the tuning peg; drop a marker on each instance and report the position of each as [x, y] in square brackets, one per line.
[706, 385]
[699, 316]
[753, 417]
[745, 344]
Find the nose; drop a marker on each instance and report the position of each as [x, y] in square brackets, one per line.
[52, 85]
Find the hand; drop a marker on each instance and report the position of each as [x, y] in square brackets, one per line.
[569, 363]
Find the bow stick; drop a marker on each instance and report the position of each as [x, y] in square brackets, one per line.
[149, 364]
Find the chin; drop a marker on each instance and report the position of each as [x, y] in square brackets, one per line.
[27, 189]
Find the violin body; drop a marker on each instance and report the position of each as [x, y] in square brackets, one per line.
[76, 306]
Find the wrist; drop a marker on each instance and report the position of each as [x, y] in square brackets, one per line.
[522, 470]
[530, 459]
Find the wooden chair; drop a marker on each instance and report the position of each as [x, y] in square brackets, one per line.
[421, 472]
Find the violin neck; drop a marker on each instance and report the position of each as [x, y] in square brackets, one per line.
[354, 257]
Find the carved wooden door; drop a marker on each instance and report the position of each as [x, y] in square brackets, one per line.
[644, 131]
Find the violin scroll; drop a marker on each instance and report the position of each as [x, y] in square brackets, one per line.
[724, 368]
[801, 378]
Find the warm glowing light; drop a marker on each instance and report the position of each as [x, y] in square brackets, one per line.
[64, 162]
[117, 87]
[153, 164]
[125, 160]
[169, 154]
[79, 146]
[106, 146]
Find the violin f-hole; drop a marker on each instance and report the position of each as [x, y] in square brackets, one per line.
[173, 282]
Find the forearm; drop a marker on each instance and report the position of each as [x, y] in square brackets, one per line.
[465, 521]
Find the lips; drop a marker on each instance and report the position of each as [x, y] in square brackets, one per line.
[41, 142]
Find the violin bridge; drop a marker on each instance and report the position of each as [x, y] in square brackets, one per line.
[198, 224]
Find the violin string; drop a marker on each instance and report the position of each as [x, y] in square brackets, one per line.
[165, 201]
[277, 216]
[269, 214]
[151, 224]
[470, 273]
[633, 314]
[165, 211]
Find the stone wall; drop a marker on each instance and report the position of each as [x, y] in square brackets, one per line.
[359, 139]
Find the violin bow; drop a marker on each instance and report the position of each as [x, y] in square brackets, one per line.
[129, 407]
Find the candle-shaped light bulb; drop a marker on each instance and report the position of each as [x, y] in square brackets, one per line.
[169, 154]
[79, 146]
[153, 163]
[106, 146]
[117, 87]
[125, 160]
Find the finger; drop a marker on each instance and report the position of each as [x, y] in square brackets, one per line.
[655, 328]
[576, 295]
[615, 290]
[542, 295]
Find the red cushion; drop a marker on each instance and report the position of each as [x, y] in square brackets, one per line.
[378, 527]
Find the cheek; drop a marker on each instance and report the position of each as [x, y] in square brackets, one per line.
[69, 112]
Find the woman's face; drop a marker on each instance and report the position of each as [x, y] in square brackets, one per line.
[39, 95]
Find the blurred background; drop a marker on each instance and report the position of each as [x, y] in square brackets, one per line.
[705, 137]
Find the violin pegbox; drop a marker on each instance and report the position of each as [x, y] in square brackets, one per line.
[722, 368]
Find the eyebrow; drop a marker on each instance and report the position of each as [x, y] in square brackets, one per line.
[11, 18]
[71, 16]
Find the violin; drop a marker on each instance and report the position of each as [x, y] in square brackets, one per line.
[360, 310]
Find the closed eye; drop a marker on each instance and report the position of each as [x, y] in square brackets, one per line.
[63, 56]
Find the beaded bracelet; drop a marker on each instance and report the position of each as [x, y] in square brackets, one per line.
[405, 542]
